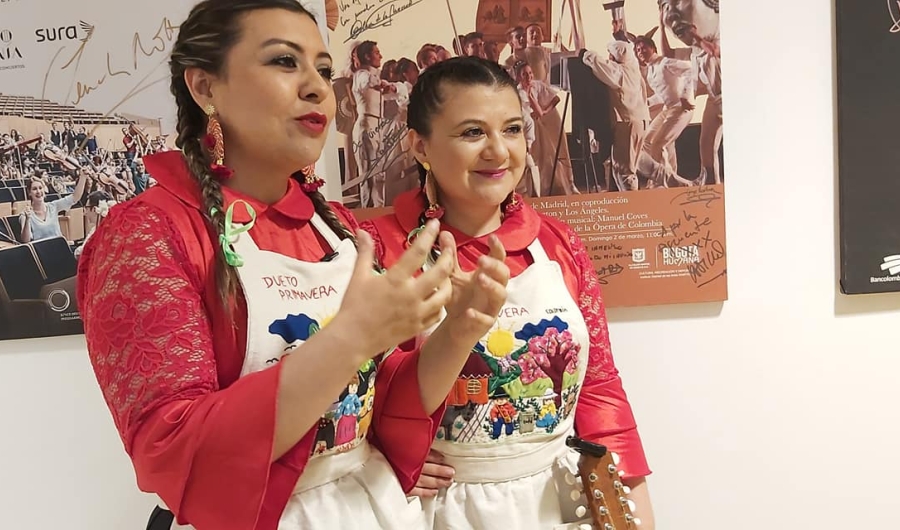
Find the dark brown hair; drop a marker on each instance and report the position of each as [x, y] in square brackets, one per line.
[204, 40]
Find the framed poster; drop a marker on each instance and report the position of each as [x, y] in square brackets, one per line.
[868, 44]
[653, 220]
[80, 85]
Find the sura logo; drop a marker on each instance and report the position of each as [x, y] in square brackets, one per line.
[64, 32]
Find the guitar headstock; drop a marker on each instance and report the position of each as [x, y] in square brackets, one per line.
[607, 497]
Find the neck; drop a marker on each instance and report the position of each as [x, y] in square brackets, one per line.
[473, 221]
[255, 178]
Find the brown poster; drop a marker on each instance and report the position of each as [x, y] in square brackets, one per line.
[629, 153]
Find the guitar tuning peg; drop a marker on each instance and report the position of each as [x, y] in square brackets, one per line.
[585, 527]
[626, 490]
[570, 478]
[621, 473]
[608, 526]
[611, 468]
[580, 511]
[637, 521]
[631, 505]
[575, 495]
[615, 458]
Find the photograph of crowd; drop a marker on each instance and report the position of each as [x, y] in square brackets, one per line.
[61, 169]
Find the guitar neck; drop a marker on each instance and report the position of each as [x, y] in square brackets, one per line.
[606, 494]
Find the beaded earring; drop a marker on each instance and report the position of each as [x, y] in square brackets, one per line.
[434, 210]
[311, 181]
[215, 144]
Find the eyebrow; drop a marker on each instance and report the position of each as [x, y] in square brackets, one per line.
[294, 46]
[481, 123]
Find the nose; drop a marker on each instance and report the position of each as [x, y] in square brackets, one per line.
[314, 87]
[495, 148]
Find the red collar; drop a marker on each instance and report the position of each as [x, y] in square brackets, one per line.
[516, 232]
[170, 171]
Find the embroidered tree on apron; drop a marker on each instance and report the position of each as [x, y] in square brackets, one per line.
[553, 351]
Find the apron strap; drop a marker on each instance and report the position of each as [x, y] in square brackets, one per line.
[322, 227]
[538, 254]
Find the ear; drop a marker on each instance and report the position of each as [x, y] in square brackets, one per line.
[417, 144]
[199, 83]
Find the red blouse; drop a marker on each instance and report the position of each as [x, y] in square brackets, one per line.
[168, 358]
[603, 413]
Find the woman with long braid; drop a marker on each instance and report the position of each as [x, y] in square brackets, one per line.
[241, 338]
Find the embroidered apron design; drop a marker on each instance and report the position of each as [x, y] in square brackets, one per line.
[288, 301]
[523, 377]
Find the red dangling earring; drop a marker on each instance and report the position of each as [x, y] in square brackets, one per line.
[434, 210]
[215, 143]
[512, 204]
[311, 181]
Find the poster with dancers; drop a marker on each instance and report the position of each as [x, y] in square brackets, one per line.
[82, 85]
[627, 147]
[868, 43]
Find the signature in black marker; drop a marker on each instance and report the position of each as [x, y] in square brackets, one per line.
[713, 254]
[608, 271]
[380, 17]
[388, 134]
[699, 195]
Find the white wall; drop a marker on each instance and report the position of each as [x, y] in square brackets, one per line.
[772, 410]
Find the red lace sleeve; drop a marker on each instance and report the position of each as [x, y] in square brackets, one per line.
[603, 414]
[147, 332]
[150, 342]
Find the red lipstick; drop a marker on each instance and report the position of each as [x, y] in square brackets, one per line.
[314, 122]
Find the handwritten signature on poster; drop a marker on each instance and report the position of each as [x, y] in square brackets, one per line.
[690, 240]
[387, 137]
[895, 15]
[158, 44]
[363, 15]
[602, 254]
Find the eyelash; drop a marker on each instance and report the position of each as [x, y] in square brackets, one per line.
[475, 132]
[288, 61]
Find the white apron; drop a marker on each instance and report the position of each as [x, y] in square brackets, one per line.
[347, 484]
[511, 410]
